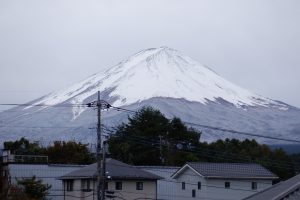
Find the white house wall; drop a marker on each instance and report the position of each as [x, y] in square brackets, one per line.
[239, 189]
[191, 180]
[214, 189]
[166, 187]
[128, 191]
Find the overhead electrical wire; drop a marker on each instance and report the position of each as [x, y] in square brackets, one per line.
[221, 129]
[144, 140]
[190, 123]
[163, 180]
[43, 105]
[206, 153]
[153, 141]
[131, 111]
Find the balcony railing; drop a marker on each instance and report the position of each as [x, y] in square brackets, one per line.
[24, 159]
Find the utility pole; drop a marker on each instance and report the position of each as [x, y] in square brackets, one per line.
[99, 195]
[103, 170]
[162, 160]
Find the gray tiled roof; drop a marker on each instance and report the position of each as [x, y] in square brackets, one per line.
[288, 189]
[231, 170]
[116, 170]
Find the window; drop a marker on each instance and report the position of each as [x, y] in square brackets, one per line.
[194, 193]
[86, 185]
[183, 185]
[69, 184]
[139, 185]
[254, 185]
[227, 185]
[199, 185]
[118, 185]
[106, 185]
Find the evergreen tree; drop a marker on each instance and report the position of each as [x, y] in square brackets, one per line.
[69, 153]
[34, 189]
[60, 152]
[23, 147]
[138, 142]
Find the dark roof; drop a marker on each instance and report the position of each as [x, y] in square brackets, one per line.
[115, 169]
[229, 170]
[279, 191]
[157, 167]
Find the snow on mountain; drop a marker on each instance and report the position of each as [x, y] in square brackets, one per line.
[158, 72]
[162, 78]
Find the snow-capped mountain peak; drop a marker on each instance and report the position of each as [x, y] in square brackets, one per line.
[165, 79]
[158, 72]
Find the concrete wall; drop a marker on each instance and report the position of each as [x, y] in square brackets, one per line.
[214, 189]
[128, 191]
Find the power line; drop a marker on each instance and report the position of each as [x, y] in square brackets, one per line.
[194, 124]
[114, 164]
[171, 181]
[220, 129]
[190, 123]
[242, 133]
[205, 153]
[48, 127]
[43, 105]
[155, 140]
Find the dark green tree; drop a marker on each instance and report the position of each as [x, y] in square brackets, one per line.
[34, 189]
[69, 153]
[23, 147]
[61, 152]
[233, 150]
[138, 142]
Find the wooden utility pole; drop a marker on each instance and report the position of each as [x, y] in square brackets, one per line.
[161, 157]
[103, 170]
[99, 135]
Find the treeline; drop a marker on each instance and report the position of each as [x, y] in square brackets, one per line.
[149, 138]
[249, 151]
[59, 152]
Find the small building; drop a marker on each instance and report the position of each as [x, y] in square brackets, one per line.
[226, 181]
[18, 167]
[166, 187]
[123, 182]
[287, 190]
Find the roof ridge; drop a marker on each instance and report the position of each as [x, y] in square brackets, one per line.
[223, 163]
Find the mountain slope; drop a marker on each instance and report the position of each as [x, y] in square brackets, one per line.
[161, 77]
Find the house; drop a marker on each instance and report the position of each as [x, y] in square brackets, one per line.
[123, 182]
[166, 187]
[226, 181]
[287, 190]
[18, 167]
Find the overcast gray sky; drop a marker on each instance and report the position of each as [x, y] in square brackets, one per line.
[47, 45]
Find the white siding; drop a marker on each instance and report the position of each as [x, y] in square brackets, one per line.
[191, 180]
[239, 189]
[166, 187]
[214, 189]
[128, 192]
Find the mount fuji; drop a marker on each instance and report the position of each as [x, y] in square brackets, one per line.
[163, 78]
